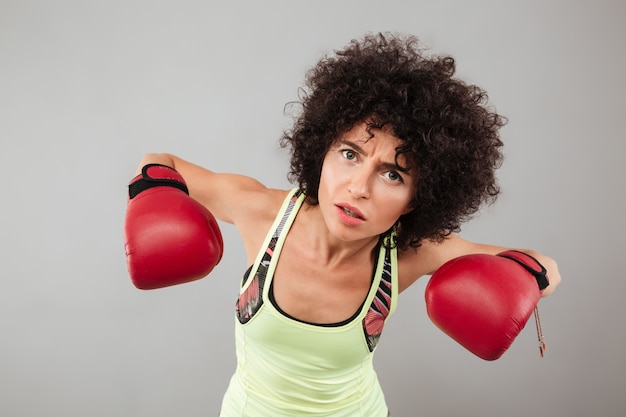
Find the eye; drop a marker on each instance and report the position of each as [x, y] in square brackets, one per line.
[393, 176]
[349, 154]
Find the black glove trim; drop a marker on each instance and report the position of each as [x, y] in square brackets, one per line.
[146, 182]
[540, 276]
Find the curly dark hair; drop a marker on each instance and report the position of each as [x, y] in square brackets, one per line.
[449, 135]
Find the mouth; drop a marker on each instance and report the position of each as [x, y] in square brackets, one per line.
[350, 211]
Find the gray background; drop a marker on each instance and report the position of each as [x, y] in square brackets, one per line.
[86, 88]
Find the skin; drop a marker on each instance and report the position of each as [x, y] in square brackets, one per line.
[362, 194]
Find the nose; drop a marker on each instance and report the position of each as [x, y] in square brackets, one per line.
[360, 184]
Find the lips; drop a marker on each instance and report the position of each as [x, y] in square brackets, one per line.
[350, 214]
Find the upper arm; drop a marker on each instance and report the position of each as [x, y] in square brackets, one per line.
[426, 259]
[229, 197]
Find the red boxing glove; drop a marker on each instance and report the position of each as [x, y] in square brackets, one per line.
[484, 301]
[170, 238]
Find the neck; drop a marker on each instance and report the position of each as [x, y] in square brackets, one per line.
[327, 248]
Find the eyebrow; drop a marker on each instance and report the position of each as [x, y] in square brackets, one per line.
[389, 165]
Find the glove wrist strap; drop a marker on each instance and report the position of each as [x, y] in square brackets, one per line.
[156, 175]
[540, 275]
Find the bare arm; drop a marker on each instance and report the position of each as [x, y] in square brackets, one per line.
[430, 256]
[236, 199]
[227, 196]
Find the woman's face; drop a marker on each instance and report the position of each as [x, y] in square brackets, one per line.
[362, 190]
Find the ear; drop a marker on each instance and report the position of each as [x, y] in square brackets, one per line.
[409, 208]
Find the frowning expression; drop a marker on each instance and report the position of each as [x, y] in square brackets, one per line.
[364, 188]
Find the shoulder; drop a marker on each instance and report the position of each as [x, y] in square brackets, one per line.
[254, 213]
[249, 206]
[413, 263]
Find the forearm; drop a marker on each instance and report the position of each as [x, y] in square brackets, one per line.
[552, 270]
[455, 246]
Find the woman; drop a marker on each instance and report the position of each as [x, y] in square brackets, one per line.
[391, 155]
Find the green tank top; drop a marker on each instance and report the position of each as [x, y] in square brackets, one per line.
[286, 367]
